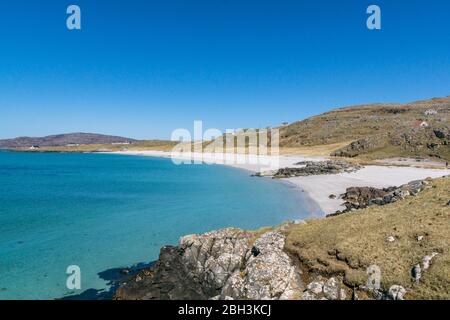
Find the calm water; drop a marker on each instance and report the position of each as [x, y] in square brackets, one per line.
[102, 211]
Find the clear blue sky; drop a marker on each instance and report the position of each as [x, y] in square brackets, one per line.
[144, 68]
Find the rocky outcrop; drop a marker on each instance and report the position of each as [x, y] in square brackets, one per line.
[358, 147]
[426, 141]
[312, 168]
[418, 270]
[362, 197]
[223, 264]
[233, 264]
[325, 289]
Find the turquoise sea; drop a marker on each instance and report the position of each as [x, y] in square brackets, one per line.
[104, 211]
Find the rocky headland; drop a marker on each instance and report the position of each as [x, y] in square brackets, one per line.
[224, 264]
[337, 258]
[362, 197]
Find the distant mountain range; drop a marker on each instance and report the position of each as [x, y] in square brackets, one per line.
[63, 140]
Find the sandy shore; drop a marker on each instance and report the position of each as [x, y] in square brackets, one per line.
[319, 188]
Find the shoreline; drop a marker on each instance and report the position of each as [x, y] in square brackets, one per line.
[317, 187]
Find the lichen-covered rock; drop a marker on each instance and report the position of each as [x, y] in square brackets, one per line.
[315, 287]
[219, 265]
[212, 257]
[271, 274]
[307, 295]
[331, 289]
[396, 292]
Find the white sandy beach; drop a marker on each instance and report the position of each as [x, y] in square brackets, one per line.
[319, 187]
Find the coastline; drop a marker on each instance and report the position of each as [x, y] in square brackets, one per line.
[318, 187]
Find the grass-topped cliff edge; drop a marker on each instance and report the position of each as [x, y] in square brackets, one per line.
[346, 245]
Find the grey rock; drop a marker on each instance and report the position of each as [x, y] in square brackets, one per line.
[221, 264]
[362, 197]
[416, 272]
[316, 168]
[396, 292]
[426, 261]
[307, 295]
[315, 287]
[331, 289]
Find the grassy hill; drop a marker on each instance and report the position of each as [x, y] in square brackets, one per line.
[374, 131]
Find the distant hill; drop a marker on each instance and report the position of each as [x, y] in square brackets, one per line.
[419, 128]
[63, 140]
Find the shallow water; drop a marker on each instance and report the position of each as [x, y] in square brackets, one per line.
[103, 211]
